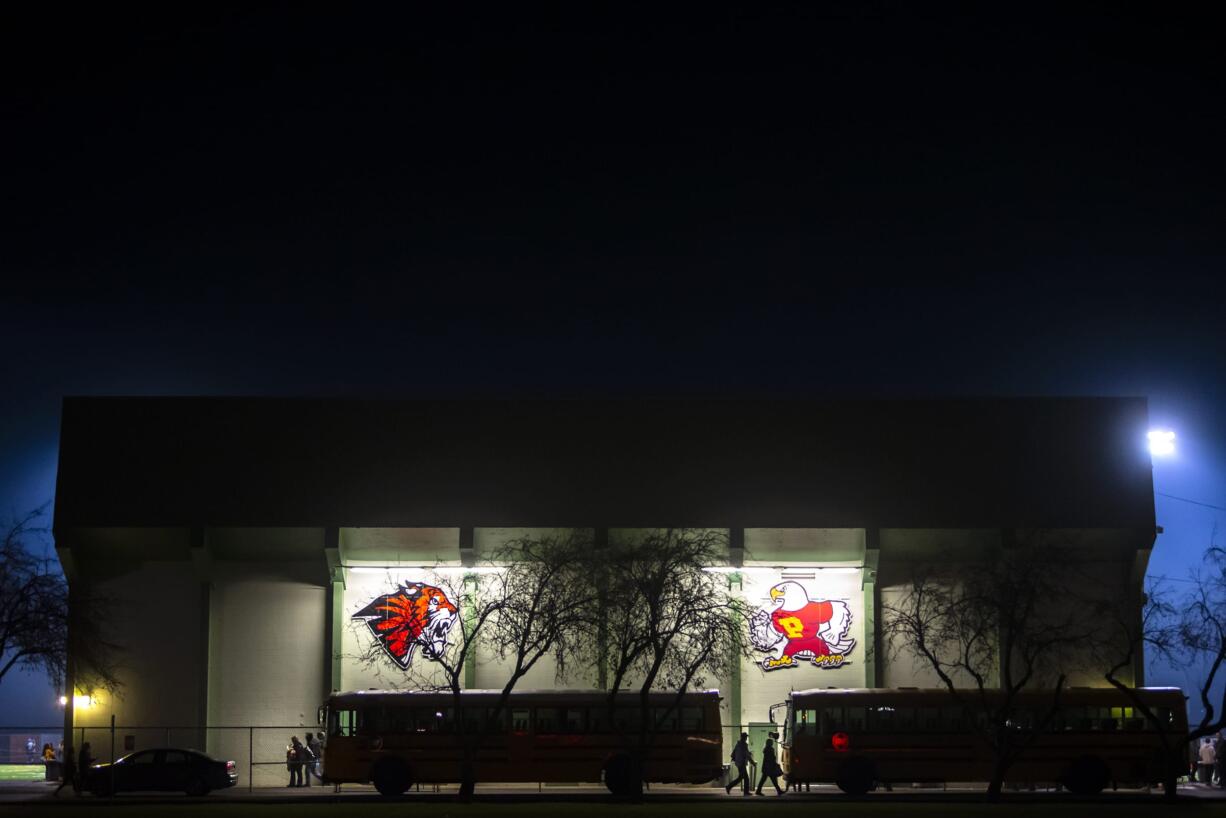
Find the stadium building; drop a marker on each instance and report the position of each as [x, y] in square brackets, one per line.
[241, 539]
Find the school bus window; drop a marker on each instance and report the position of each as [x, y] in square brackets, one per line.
[473, 718]
[370, 721]
[496, 724]
[832, 720]
[665, 719]
[806, 722]
[627, 718]
[929, 719]
[691, 719]
[598, 720]
[546, 720]
[520, 720]
[576, 720]
[881, 719]
[344, 723]
[952, 719]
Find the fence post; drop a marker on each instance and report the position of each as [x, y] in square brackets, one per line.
[111, 768]
[250, 758]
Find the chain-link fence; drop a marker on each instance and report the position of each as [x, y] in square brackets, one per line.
[258, 751]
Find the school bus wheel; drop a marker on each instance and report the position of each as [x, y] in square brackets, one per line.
[856, 776]
[1088, 775]
[391, 776]
[617, 775]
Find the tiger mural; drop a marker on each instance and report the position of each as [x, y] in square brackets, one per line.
[414, 615]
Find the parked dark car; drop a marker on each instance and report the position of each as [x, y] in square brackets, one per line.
[167, 768]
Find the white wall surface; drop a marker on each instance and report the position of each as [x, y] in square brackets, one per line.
[761, 688]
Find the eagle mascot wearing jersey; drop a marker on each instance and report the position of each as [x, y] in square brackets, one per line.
[796, 626]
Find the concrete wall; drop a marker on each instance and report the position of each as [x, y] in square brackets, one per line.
[266, 665]
[158, 619]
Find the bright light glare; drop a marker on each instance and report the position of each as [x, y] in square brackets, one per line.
[1161, 442]
[63, 701]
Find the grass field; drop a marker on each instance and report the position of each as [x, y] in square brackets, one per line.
[22, 772]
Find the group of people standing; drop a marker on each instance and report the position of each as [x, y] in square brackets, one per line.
[302, 760]
[742, 758]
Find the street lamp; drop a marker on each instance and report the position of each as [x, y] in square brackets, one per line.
[1161, 442]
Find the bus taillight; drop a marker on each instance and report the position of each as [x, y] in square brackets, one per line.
[840, 742]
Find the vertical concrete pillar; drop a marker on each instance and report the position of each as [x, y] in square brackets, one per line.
[202, 566]
[736, 556]
[467, 547]
[600, 542]
[874, 665]
[335, 607]
[469, 613]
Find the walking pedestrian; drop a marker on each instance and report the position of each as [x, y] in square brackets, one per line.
[315, 743]
[742, 759]
[770, 767]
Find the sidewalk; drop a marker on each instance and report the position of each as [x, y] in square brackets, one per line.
[40, 791]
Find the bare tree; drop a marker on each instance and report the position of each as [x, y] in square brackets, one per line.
[667, 625]
[45, 625]
[988, 632]
[1186, 628]
[520, 605]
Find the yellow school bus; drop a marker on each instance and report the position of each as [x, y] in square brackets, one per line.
[398, 738]
[857, 738]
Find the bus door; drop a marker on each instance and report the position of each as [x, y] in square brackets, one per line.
[759, 732]
[780, 716]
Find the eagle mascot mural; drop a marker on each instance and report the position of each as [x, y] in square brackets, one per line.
[414, 615]
[792, 627]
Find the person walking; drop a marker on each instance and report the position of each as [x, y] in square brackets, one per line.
[293, 761]
[742, 759]
[1208, 760]
[316, 746]
[770, 767]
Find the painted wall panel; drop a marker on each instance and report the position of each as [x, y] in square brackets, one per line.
[797, 614]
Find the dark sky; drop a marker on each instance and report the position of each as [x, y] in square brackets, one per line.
[739, 198]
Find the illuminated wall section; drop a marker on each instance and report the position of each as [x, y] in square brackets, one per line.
[807, 630]
[492, 672]
[808, 626]
[394, 622]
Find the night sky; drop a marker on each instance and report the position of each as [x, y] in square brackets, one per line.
[741, 199]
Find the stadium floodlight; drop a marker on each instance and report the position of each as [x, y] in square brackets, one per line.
[1161, 442]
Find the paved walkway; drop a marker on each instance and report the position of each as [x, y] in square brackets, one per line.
[40, 791]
